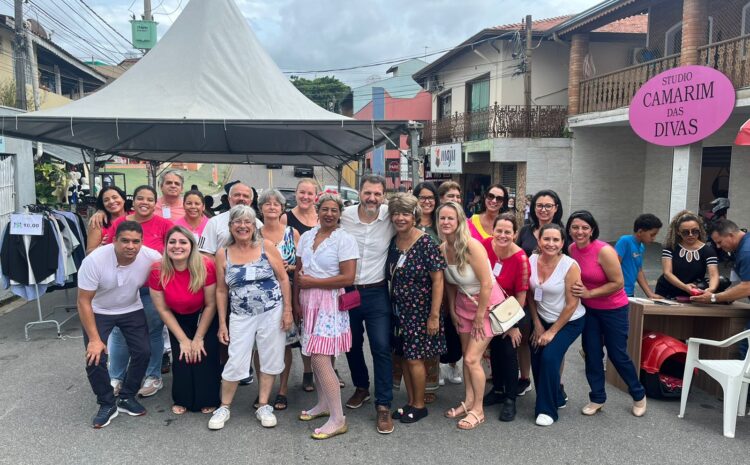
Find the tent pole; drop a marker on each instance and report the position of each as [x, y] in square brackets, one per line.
[339, 175]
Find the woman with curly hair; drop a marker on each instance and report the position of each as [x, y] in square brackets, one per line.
[686, 258]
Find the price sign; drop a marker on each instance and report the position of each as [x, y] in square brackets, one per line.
[26, 225]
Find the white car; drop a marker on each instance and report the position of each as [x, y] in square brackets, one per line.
[348, 195]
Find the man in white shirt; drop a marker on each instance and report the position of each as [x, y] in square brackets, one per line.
[371, 226]
[108, 283]
[216, 232]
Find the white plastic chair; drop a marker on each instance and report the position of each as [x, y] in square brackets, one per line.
[733, 375]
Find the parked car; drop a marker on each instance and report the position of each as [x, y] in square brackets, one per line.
[289, 195]
[348, 195]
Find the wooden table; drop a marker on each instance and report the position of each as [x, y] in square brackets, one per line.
[682, 321]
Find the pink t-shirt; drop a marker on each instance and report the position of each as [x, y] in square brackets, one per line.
[154, 232]
[177, 293]
[593, 276]
[170, 212]
[198, 232]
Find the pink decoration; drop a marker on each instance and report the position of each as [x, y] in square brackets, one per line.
[682, 105]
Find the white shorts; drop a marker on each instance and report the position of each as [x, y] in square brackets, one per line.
[264, 331]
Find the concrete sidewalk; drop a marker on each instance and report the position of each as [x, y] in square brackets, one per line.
[46, 406]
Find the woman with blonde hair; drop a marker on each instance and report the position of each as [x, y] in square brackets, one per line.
[183, 289]
[686, 258]
[471, 290]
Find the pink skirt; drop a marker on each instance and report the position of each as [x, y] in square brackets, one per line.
[325, 329]
[466, 310]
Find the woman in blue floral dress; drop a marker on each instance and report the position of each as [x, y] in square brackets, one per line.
[415, 272]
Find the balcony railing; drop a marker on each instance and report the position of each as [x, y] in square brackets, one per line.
[497, 122]
[616, 89]
[731, 57]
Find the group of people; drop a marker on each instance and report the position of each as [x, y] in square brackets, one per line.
[411, 272]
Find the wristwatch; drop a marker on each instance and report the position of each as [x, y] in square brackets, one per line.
[713, 298]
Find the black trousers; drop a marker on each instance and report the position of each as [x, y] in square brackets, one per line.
[452, 342]
[504, 364]
[198, 385]
[135, 330]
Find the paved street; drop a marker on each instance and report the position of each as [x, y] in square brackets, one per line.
[46, 406]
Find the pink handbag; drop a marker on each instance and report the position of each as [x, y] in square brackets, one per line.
[349, 300]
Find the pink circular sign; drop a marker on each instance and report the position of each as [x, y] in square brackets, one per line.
[682, 105]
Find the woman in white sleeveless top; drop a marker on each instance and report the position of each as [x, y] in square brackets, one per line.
[471, 289]
[557, 316]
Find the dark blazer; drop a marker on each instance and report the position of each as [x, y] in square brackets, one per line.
[43, 255]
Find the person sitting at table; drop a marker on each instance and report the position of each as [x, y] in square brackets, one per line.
[686, 257]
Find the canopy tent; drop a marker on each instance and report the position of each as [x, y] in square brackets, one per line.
[208, 92]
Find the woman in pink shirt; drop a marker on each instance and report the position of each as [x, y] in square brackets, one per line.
[154, 227]
[111, 201]
[495, 202]
[606, 324]
[183, 289]
[194, 220]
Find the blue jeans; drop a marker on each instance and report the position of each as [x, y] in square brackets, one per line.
[608, 328]
[118, 348]
[375, 315]
[545, 366]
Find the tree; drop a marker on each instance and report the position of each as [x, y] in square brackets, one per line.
[326, 91]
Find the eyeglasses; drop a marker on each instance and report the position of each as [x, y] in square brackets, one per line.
[243, 222]
[495, 198]
[426, 198]
[546, 206]
[690, 232]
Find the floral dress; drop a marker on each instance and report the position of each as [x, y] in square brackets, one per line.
[411, 297]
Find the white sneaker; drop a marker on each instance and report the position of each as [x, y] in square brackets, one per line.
[116, 386]
[456, 374]
[220, 416]
[544, 420]
[265, 415]
[442, 373]
[150, 386]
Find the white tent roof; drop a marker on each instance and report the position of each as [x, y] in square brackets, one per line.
[207, 92]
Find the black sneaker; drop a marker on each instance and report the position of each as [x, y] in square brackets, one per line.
[131, 407]
[524, 386]
[166, 363]
[249, 380]
[508, 410]
[105, 414]
[493, 397]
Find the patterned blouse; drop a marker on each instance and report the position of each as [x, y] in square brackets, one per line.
[253, 287]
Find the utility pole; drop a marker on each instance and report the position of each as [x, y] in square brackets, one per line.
[527, 75]
[147, 10]
[413, 157]
[20, 56]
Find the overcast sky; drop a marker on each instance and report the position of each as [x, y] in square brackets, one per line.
[305, 35]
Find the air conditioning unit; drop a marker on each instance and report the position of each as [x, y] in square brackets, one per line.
[433, 85]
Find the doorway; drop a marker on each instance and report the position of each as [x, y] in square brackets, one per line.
[714, 175]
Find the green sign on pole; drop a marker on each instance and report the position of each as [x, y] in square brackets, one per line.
[144, 34]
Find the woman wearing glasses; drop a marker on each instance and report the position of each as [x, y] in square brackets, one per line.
[545, 208]
[686, 258]
[493, 204]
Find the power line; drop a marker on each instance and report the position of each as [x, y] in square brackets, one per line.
[105, 22]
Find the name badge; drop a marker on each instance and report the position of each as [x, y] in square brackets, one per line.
[166, 212]
[401, 261]
[497, 269]
[538, 294]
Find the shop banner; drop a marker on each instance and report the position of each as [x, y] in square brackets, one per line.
[446, 158]
[682, 105]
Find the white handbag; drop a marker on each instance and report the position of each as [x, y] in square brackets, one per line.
[503, 316]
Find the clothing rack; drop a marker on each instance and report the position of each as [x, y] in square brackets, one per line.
[43, 319]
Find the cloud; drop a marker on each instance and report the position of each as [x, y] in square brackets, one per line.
[303, 35]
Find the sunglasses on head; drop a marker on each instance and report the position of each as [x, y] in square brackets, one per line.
[690, 232]
[493, 197]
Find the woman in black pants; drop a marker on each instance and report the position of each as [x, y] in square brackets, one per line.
[510, 266]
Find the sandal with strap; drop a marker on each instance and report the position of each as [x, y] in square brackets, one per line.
[468, 422]
[457, 412]
[429, 397]
[178, 409]
[280, 403]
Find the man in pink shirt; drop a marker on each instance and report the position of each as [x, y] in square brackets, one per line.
[169, 205]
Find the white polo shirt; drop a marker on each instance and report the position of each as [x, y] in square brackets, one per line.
[116, 286]
[216, 233]
[373, 240]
